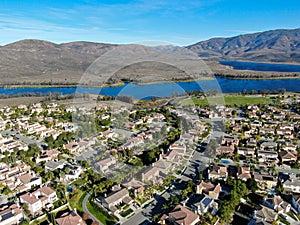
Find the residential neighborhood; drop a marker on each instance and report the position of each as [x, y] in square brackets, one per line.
[150, 164]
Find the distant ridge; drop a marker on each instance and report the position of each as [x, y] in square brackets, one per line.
[42, 61]
[37, 61]
[281, 45]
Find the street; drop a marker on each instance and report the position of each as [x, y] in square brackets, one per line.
[196, 161]
[22, 138]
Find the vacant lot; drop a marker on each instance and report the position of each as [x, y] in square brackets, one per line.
[230, 100]
[20, 100]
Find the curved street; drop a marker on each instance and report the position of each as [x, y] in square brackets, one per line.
[85, 209]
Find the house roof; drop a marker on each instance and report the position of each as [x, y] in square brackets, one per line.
[26, 178]
[133, 184]
[71, 145]
[71, 218]
[152, 171]
[103, 162]
[206, 186]
[8, 211]
[46, 190]
[244, 172]
[163, 164]
[217, 189]
[29, 198]
[116, 196]
[268, 214]
[53, 164]
[183, 215]
[287, 155]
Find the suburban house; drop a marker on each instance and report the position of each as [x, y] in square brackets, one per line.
[11, 214]
[217, 172]
[173, 156]
[202, 204]
[244, 173]
[210, 189]
[247, 152]
[104, 164]
[73, 173]
[70, 218]
[265, 180]
[225, 150]
[136, 185]
[267, 156]
[27, 181]
[19, 177]
[116, 198]
[43, 197]
[53, 165]
[179, 147]
[264, 215]
[292, 185]
[229, 141]
[276, 203]
[287, 156]
[163, 165]
[8, 144]
[268, 145]
[180, 215]
[289, 147]
[152, 175]
[73, 147]
[47, 155]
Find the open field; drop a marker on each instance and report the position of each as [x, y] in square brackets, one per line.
[230, 100]
[20, 100]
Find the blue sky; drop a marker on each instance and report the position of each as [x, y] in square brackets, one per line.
[179, 22]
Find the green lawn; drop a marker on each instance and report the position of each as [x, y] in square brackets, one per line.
[100, 214]
[126, 213]
[230, 100]
[76, 200]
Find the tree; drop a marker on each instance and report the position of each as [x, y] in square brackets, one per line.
[85, 164]
[49, 175]
[85, 216]
[33, 150]
[252, 184]
[24, 222]
[50, 141]
[227, 207]
[95, 223]
[174, 201]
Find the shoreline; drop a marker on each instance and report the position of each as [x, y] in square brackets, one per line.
[120, 84]
[257, 78]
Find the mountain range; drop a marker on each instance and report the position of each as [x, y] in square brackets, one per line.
[37, 61]
[270, 46]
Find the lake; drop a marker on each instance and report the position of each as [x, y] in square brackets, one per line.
[224, 85]
[257, 66]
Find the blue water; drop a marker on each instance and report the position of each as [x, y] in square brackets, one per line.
[223, 85]
[239, 65]
[224, 160]
[69, 189]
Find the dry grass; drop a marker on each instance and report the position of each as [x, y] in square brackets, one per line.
[20, 100]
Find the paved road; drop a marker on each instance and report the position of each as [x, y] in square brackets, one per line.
[22, 138]
[196, 160]
[3, 199]
[144, 215]
[289, 171]
[85, 209]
